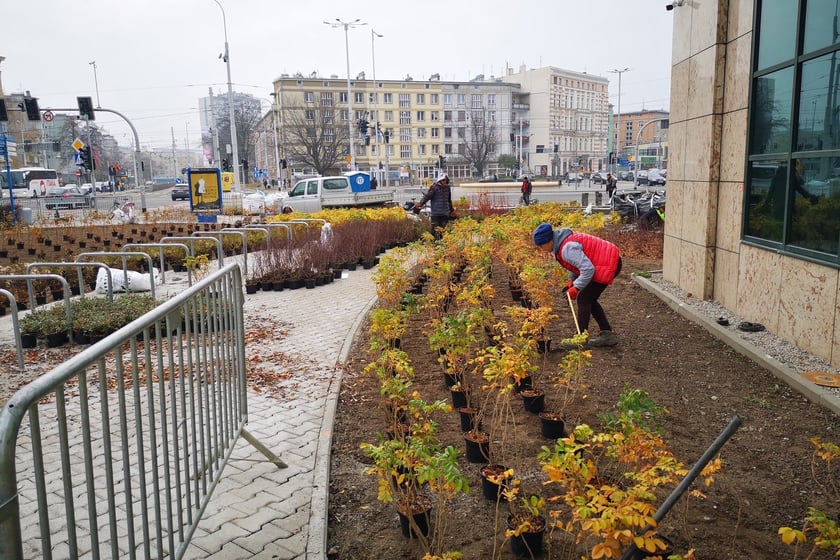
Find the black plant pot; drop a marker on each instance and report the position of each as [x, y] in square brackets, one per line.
[552, 425]
[478, 447]
[451, 379]
[80, 337]
[251, 288]
[56, 339]
[459, 398]
[351, 266]
[491, 490]
[421, 520]
[523, 384]
[468, 418]
[528, 544]
[534, 400]
[28, 340]
[310, 283]
[544, 346]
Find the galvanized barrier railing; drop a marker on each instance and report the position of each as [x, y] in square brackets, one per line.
[130, 434]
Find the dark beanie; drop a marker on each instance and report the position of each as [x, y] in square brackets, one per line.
[543, 234]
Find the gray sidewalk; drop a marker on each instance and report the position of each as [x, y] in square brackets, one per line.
[259, 511]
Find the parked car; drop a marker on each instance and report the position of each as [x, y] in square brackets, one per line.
[67, 198]
[599, 178]
[642, 178]
[181, 192]
[86, 188]
[655, 177]
[574, 178]
[625, 176]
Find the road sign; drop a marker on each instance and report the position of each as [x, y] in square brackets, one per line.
[78, 144]
[48, 116]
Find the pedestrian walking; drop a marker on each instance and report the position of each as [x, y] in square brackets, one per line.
[440, 196]
[593, 263]
[610, 184]
[526, 190]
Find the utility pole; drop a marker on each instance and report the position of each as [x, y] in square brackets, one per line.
[618, 117]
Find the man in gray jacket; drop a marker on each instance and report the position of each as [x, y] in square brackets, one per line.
[440, 196]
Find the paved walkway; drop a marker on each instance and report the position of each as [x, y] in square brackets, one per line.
[259, 511]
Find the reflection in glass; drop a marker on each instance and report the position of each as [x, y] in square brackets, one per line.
[816, 205]
[771, 113]
[820, 27]
[767, 190]
[818, 104]
[778, 35]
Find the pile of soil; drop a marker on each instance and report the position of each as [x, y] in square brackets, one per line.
[766, 483]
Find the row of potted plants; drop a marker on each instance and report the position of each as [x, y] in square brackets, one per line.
[600, 486]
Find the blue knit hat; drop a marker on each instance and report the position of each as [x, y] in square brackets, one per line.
[543, 234]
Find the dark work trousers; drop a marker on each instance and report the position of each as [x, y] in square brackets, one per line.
[588, 306]
[439, 222]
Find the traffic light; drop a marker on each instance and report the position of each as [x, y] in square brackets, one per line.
[363, 127]
[89, 162]
[283, 162]
[32, 111]
[441, 161]
[4, 116]
[85, 107]
[387, 136]
[225, 165]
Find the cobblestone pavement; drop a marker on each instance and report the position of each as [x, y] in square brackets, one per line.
[258, 510]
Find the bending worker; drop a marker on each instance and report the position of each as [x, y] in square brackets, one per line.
[593, 263]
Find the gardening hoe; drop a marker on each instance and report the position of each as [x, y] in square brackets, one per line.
[572, 307]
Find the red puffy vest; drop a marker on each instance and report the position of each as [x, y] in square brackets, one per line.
[603, 254]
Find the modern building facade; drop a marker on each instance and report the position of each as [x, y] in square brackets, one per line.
[753, 186]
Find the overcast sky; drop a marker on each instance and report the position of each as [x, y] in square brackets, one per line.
[156, 58]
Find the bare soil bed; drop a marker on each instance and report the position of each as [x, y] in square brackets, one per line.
[767, 480]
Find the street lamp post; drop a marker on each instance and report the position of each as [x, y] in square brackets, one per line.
[233, 141]
[347, 25]
[373, 36]
[618, 118]
[276, 148]
[95, 83]
[638, 139]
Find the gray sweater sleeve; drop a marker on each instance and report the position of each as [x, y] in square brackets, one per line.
[574, 255]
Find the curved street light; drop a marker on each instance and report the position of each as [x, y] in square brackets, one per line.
[233, 141]
[347, 25]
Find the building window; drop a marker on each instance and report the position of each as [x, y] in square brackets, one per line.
[389, 116]
[461, 99]
[309, 97]
[372, 98]
[447, 148]
[447, 99]
[434, 99]
[389, 97]
[476, 101]
[462, 132]
[421, 116]
[435, 115]
[405, 100]
[447, 132]
[462, 116]
[405, 152]
[491, 98]
[447, 116]
[326, 99]
[421, 98]
[405, 117]
[793, 158]
[342, 97]
[344, 114]
[359, 97]
[435, 133]
[421, 133]
[310, 115]
[435, 149]
[405, 135]
[421, 150]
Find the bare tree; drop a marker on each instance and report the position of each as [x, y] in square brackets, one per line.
[318, 138]
[481, 141]
[247, 117]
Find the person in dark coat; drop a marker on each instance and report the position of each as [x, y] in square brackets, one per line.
[610, 185]
[593, 263]
[442, 210]
[527, 187]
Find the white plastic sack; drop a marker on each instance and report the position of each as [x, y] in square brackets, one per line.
[137, 281]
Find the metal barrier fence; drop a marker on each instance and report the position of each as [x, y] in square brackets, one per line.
[48, 208]
[116, 452]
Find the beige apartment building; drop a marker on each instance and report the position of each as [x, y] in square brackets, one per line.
[753, 186]
[546, 120]
[642, 136]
